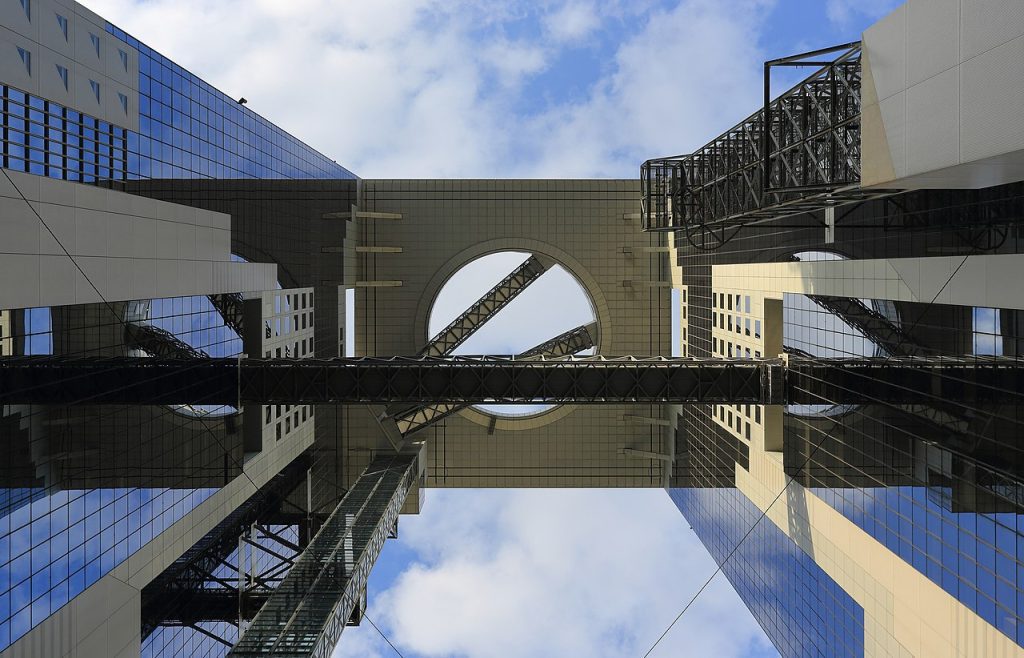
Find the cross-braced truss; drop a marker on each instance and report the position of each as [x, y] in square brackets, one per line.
[158, 342]
[569, 343]
[806, 159]
[229, 573]
[231, 308]
[477, 380]
[495, 299]
[307, 613]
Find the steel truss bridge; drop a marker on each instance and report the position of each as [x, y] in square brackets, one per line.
[798, 153]
[476, 380]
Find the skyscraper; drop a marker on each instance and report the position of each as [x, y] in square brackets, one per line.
[882, 223]
[181, 478]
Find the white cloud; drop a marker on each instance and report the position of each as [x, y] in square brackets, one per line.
[561, 573]
[843, 12]
[406, 88]
[573, 21]
[433, 88]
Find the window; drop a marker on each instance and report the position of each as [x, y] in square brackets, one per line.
[26, 59]
[95, 43]
[746, 304]
[95, 89]
[757, 413]
[124, 101]
[757, 328]
[63, 73]
[62, 23]
[124, 59]
[26, 5]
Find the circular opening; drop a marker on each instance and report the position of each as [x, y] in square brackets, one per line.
[812, 329]
[185, 324]
[552, 305]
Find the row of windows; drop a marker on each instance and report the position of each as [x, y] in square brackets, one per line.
[45, 138]
[57, 540]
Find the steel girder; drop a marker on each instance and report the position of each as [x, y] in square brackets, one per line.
[159, 342]
[190, 589]
[879, 329]
[933, 381]
[390, 380]
[230, 305]
[808, 158]
[307, 613]
[569, 343]
[473, 380]
[462, 327]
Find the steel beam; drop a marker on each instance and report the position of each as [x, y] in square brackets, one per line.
[159, 342]
[307, 613]
[231, 308]
[569, 343]
[464, 326]
[876, 327]
[185, 593]
[476, 380]
[392, 380]
[798, 153]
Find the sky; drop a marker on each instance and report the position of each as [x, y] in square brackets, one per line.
[514, 89]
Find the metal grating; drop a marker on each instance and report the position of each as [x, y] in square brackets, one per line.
[307, 613]
[462, 327]
[806, 160]
[567, 344]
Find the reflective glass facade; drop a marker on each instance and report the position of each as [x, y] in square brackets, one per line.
[84, 488]
[938, 485]
[187, 130]
[802, 610]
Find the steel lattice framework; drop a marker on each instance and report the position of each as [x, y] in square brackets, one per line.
[495, 299]
[195, 588]
[159, 342]
[476, 380]
[307, 613]
[388, 380]
[230, 307]
[808, 158]
[569, 343]
[878, 328]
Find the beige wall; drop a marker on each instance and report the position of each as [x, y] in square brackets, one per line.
[943, 85]
[592, 228]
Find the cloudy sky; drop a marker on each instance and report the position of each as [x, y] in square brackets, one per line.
[513, 88]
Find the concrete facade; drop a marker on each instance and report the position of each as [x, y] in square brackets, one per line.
[127, 247]
[592, 229]
[941, 81]
[61, 51]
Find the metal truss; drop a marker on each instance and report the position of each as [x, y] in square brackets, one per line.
[569, 343]
[159, 342]
[230, 307]
[389, 380]
[307, 613]
[876, 327]
[475, 380]
[935, 381]
[211, 581]
[807, 159]
[462, 327]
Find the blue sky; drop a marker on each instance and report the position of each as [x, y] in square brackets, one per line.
[513, 88]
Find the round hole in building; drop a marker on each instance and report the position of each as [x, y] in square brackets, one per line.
[553, 304]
